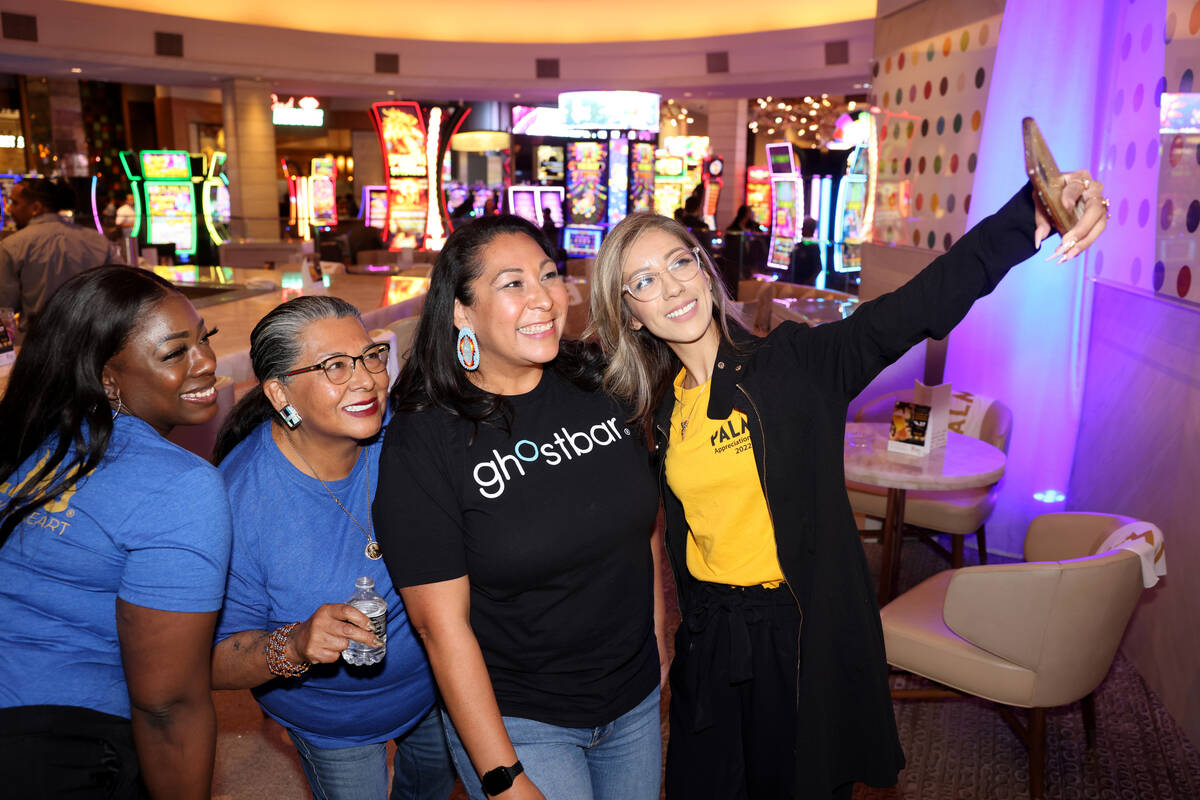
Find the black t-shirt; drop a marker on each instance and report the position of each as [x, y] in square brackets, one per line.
[552, 524]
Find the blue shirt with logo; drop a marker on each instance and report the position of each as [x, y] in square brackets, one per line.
[149, 525]
[294, 550]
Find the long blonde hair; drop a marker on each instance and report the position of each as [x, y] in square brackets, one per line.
[640, 365]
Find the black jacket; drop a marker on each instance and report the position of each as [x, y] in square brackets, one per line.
[795, 386]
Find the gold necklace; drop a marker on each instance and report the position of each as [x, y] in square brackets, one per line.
[372, 550]
[683, 424]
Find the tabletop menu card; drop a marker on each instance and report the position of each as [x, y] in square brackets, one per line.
[918, 428]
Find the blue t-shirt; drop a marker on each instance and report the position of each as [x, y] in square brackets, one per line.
[149, 525]
[294, 550]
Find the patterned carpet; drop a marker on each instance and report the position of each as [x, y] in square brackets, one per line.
[957, 749]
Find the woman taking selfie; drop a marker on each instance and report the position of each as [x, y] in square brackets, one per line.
[300, 455]
[515, 513]
[779, 685]
[115, 546]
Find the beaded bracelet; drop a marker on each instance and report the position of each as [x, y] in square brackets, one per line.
[277, 662]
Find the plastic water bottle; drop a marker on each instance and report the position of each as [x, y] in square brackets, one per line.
[371, 603]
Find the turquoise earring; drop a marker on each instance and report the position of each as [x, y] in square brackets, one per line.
[468, 349]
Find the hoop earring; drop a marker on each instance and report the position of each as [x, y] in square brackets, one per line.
[119, 408]
[290, 416]
[467, 349]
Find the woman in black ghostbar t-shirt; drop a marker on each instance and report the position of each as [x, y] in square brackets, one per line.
[515, 511]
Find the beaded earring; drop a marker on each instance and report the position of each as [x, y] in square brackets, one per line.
[468, 349]
[290, 416]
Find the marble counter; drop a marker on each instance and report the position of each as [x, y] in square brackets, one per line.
[382, 299]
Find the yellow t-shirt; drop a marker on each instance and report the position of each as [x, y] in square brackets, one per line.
[710, 468]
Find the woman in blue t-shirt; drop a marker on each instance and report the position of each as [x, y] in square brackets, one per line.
[114, 545]
[300, 458]
[516, 515]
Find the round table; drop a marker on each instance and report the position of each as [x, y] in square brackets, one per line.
[964, 463]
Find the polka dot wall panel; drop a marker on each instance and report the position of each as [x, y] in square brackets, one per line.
[1177, 217]
[932, 96]
[1128, 157]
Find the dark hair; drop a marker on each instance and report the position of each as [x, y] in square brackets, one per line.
[692, 204]
[55, 394]
[275, 346]
[53, 195]
[808, 227]
[432, 377]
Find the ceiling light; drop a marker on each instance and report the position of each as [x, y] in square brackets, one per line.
[770, 130]
[76, 70]
[690, 120]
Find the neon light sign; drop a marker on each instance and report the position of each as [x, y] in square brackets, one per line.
[306, 112]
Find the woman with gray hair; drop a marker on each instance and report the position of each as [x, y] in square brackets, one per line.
[300, 458]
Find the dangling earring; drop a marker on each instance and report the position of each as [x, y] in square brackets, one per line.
[117, 410]
[468, 349]
[290, 416]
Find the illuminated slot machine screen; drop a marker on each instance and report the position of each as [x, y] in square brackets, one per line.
[170, 199]
[523, 201]
[171, 209]
[587, 187]
[324, 203]
[641, 176]
[550, 163]
[783, 225]
[376, 206]
[551, 197]
[670, 186]
[402, 134]
[758, 193]
[582, 241]
[618, 180]
[218, 210]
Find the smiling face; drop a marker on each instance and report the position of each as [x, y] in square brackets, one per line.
[682, 313]
[344, 412]
[165, 373]
[520, 304]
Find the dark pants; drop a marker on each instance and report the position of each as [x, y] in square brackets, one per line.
[733, 696]
[67, 752]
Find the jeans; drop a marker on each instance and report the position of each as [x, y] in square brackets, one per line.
[618, 761]
[422, 766]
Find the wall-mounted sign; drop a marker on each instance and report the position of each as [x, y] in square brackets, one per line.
[10, 142]
[620, 110]
[306, 112]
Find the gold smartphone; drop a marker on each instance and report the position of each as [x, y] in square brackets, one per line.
[1047, 179]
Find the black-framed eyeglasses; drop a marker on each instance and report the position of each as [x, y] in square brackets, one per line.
[647, 286]
[338, 369]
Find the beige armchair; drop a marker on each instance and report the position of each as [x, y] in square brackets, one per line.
[1033, 635]
[959, 513]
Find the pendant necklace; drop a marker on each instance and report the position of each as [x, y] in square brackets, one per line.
[372, 550]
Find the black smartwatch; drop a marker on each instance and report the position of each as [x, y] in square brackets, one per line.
[500, 779]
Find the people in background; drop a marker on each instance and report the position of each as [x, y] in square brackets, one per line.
[763, 706]
[47, 249]
[515, 511]
[744, 221]
[115, 545]
[806, 255]
[691, 218]
[300, 456]
[126, 215]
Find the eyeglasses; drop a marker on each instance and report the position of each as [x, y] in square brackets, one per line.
[338, 369]
[648, 285]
